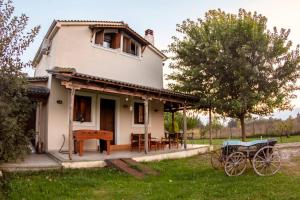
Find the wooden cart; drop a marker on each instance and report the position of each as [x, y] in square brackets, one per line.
[233, 155]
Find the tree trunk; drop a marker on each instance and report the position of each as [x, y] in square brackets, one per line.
[242, 119]
[210, 133]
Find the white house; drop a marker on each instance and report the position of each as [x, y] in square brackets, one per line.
[110, 72]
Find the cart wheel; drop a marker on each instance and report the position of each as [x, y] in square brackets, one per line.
[266, 161]
[235, 164]
[216, 159]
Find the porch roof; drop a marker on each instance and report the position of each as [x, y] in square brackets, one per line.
[37, 79]
[172, 100]
[38, 93]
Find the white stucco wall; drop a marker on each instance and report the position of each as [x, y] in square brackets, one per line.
[72, 46]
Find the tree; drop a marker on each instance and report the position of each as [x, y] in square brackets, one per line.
[250, 69]
[216, 125]
[192, 122]
[15, 106]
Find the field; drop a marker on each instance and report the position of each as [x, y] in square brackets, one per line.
[190, 178]
[294, 138]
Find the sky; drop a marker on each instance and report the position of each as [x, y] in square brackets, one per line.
[158, 15]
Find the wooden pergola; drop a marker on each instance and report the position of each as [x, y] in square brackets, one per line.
[173, 101]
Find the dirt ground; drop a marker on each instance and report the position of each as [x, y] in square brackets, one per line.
[290, 158]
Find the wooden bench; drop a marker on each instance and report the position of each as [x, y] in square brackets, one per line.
[81, 135]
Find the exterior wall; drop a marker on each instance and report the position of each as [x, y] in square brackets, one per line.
[47, 61]
[58, 118]
[72, 46]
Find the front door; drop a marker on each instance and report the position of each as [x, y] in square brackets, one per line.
[107, 116]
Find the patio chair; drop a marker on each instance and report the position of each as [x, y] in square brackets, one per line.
[154, 143]
[172, 139]
[137, 141]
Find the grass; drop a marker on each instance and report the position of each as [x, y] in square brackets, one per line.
[190, 178]
[284, 139]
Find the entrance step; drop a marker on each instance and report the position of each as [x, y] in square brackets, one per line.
[123, 166]
[143, 168]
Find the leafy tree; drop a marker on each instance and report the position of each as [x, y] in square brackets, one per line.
[15, 106]
[216, 125]
[192, 121]
[246, 68]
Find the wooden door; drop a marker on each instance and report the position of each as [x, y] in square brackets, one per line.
[107, 116]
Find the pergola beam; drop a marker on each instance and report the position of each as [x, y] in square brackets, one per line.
[100, 88]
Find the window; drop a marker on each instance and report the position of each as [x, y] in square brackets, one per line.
[129, 46]
[82, 108]
[139, 113]
[108, 39]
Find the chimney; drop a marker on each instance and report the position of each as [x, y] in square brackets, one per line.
[149, 36]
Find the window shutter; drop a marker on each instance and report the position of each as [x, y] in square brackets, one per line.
[75, 113]
[99, 37]
[116, 41]
[82, 108]
[128, 46]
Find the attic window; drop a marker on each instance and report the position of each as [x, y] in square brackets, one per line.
[107, 39]
[130, 46]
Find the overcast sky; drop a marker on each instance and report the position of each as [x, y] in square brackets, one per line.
[159, 15]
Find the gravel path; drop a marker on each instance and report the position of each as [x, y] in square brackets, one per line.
[289, 151]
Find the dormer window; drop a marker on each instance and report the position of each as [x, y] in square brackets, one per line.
[130, 46]
[108, 39]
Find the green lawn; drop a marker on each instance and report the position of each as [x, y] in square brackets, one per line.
[295, 138]
[190, 178]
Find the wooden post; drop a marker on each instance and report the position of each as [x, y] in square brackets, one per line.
[173, 124]
[39, 128]
[184, 127]
[146, 116]
[71, 105]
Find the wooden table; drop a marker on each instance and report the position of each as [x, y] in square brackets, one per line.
[81, 135]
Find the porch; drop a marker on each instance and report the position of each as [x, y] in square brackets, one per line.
[54, 160]
[95, 159]
[125, 108]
